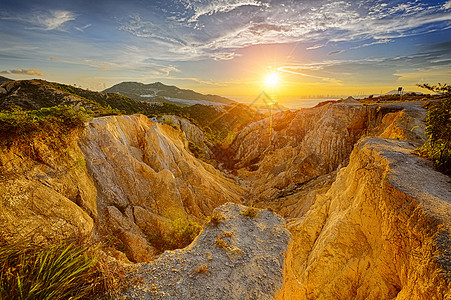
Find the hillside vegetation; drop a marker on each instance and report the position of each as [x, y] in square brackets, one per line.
[220, 123]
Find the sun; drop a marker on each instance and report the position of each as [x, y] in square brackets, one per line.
[272, 80]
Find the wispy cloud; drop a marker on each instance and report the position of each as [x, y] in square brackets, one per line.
[315, 47]
[34, 72]
[139, 27]
[382, 41]
[219, 28]
[335, 52]
[210, 7]
[55, 20]
[49, 20]
[83, 28]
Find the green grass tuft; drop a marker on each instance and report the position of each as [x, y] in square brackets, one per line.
[67, 270]
[250, 212]
[215, 219]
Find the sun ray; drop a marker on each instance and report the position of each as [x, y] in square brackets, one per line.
[272, 80]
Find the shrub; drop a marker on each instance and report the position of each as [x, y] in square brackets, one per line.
[67, 270]
[20, 128]
[221, 243]
[215, 219]
[438, 130]
[202, 269]
[195, 149]
[250, 212]
[181, 233]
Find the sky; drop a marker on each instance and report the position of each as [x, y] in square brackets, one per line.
[228, 47]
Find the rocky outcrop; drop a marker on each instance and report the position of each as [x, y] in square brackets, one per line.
[291, 148]
[145, 178]
[375, 225]
[192, 134]
[242, 257]
[382, 231]
[132, 178]
[48, 195]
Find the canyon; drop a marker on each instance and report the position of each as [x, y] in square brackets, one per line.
[346, 210]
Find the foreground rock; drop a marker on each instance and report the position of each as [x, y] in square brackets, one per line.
[382, 231]
[240, 258]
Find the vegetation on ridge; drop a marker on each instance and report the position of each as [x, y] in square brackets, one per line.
[20, 128]
[438, 130]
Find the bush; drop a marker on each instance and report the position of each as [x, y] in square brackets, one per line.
[19, 128]
[67, 270]
[181, 234]
[215, 219]
[438, 131]
[250, 212]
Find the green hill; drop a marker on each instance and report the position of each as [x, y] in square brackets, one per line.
[159, 92]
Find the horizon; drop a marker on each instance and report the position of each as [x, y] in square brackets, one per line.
[229, 48]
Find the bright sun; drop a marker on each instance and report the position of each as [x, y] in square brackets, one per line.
[272, 79]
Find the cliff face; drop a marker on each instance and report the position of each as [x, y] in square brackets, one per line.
[125, 176]
[380, 232]
[277, 154]
[48, 195]
[145, 178]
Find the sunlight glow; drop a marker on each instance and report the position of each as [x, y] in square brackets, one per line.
[272, 79]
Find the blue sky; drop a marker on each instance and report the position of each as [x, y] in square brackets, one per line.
[226, 46]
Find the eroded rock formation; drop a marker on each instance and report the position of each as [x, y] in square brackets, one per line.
[380, 232]
[146, 177]
[47, 194]
[242, 257]
[291, 148]
[371, 225]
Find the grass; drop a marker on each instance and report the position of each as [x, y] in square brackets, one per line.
[215, 219]
[70, 269]
[250, 212]
[19, 128]
[181, 233]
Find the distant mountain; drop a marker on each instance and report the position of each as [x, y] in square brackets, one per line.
[4, 79]
[159, 92]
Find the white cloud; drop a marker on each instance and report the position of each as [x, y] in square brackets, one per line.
[51, 20]
[224, 55]
[54, 21]
[447, 5]
[210, 7]
[252, 22]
